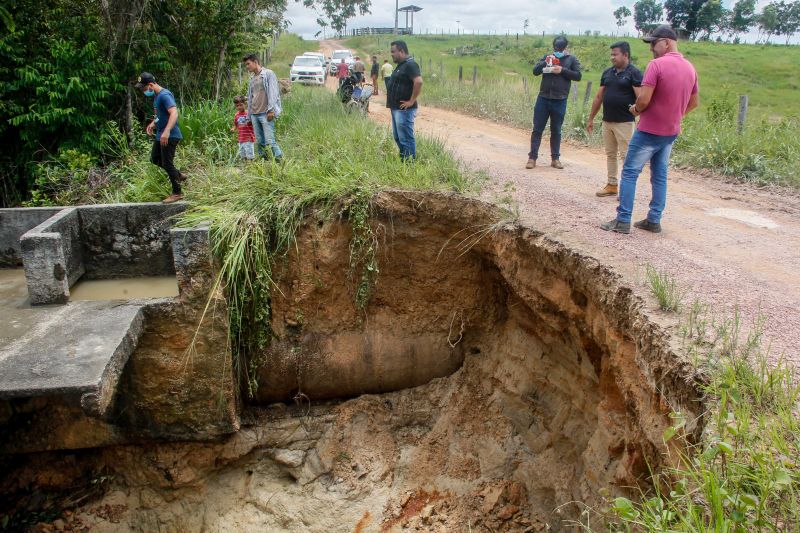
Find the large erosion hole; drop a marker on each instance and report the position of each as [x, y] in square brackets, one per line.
[497, 378]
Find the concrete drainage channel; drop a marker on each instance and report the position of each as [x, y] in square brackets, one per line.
[495, 379]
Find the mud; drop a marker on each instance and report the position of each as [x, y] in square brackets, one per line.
[499, 378]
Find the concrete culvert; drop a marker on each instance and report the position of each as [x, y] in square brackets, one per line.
[495, 378]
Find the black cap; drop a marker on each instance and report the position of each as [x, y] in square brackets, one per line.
[144, 79]
[664, 31]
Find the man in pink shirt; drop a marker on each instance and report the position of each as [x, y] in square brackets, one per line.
[669, 92]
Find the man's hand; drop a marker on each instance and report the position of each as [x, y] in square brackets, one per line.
[150, 128]
[633, 110]
[556, 69]
[407, 104]
[270, 116]
[165, 137]
[590, 126]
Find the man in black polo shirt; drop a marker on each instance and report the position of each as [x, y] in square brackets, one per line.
[619, 87]
[402, 92]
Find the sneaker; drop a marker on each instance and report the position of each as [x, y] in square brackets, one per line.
[531, 163]
[172, 198]
[608, 190]
[616, 226]
[555, 163]
[652, 227]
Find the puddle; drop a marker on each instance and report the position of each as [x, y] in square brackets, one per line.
[124, 288]
[750, 218]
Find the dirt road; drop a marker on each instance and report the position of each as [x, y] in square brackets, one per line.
[727, 244]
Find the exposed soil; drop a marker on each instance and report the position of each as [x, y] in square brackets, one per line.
[560, 393]
[728, 244]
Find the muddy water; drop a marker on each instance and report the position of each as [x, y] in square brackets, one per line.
[124, 288]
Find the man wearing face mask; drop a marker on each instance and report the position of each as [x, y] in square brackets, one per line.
[558, 70]
[167, 132]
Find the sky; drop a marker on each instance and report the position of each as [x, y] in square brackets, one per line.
[569, 16]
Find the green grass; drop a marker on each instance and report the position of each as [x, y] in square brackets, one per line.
[665, 289]
[744, 474]
[767, 152]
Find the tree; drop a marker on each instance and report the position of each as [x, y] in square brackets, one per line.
[712, 18]
[646, 15]
[338, 12]
[768, 20]
[682, 15]
[788, 18]
[621, 14]
[742, 17]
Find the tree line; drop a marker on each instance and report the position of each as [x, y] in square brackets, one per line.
[700, 19]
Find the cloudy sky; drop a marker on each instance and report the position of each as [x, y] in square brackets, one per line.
[570, 16]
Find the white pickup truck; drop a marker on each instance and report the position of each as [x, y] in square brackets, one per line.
[337, 57]
[307, 69]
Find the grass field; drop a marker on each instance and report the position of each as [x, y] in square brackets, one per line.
[767, 152]
[767, 74]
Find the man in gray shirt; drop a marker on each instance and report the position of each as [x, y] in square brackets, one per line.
[263, 105]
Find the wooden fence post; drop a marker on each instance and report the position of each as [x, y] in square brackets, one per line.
[240, 72]
[525, 84]
[441, 70]
[460, 74]
[474, 75]
[574, 93]
[588, 93]
[430, 66]
[742, 113]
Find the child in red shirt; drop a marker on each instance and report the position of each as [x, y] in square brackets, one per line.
[242, 124]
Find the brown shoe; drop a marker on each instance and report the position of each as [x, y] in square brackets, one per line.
[608, 190]
[531, 163]
[555, 163]
[172, 198]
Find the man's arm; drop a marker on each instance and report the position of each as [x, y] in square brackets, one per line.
[273, 95]
[694, 102]
[574, 73]
[173, 118]
[596, 103]
[415, 90]
[537, 68]
[642, 100]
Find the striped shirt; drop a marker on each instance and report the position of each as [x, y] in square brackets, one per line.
[244, 127]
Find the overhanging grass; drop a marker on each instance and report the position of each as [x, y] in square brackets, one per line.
[334, 163]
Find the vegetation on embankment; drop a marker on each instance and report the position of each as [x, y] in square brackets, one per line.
[767, 152]
[744, 474]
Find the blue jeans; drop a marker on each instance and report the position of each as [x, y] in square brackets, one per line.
[265, 134]
[555, 111]
[403, 132]
[645, 147]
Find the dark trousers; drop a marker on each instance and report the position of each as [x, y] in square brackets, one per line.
[544, 110]
[163, 156]
[386, 82]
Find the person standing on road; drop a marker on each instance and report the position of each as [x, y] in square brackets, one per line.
[358, 69]
[386, 73]
[167, 132]
[373, 73]
[558, 70]
[669, 92]
[263, 105]
[342, 72]
[619, 87]
[403, 90]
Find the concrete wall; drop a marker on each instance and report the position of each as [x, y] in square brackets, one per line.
[128, 240]
[53, 257]
[14, 223]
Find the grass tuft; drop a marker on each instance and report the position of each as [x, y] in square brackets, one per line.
[665, 289]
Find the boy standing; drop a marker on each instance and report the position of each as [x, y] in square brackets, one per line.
[242, 124]
[167, 132]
